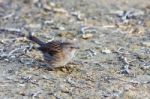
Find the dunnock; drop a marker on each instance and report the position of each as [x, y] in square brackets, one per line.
[56, 53]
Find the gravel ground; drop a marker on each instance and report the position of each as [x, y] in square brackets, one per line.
[114, 57]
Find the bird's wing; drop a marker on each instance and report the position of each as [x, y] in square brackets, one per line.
[51, 47]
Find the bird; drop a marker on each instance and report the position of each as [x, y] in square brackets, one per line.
[56, 53]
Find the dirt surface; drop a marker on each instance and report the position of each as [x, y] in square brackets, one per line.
[114, 57]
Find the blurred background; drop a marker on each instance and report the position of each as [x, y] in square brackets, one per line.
[114, 56]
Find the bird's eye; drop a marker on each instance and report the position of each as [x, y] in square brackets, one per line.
[71, 48]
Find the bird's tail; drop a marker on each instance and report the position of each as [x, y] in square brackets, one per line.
[34, 39]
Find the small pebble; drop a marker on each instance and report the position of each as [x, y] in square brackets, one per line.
[79, 15]
[87, 36]
[146, 43]
[61, 28]
[106, 51]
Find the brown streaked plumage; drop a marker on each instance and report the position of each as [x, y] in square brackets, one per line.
[56, 53]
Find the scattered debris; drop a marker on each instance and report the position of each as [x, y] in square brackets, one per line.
[91, 52]
[137, 31]
[145, 65]
[88, 32]
[87, 36]
[33, 26]
[17, 30]
[126, 65]
[106, 51]
[128, 14]
[142, 79]
[8, 16]
[122, 50]
[146, 43]
[79, 15]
